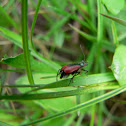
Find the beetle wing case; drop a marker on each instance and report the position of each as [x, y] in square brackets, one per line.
[71, 69]
[64, 67]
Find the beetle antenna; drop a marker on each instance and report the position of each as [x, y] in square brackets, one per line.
[82, 52]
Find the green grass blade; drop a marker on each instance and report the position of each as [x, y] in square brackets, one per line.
[79, 121]
[81, 9]
[59, 94]
[102, 64]
[91, 10]
[58, 24]
[4, 124]
[73, 16]
[106, 44]
[120, 21]
[89, 37]
[100, 113]
[93, 109]
[91, 56]
[9, 18]
[10, 70]
[80, 81]
[20, 86]
[99, 37]
[25, 41]
[100, 23]
[80, 106]
[2, 82]
[114, 32]
[33, 23]
[115, 85]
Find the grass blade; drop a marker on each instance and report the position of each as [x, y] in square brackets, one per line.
[59, 94]
[25, 41]
[33, 23]
[100, 23]
[114, 32]
[80, 81]
[120, 21]
[9, 18]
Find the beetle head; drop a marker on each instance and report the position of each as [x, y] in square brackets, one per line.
[83, 63]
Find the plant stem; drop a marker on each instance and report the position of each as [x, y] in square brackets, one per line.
[25, 41]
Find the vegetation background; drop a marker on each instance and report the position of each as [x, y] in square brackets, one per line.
[38, 37]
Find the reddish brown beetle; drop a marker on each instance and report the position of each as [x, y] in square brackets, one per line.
[74, 69]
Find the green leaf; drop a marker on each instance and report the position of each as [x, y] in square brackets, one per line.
[119, 64]
[114, 6]
[17, 40]
[19, 62]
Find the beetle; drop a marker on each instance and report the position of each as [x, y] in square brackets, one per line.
[74, 69]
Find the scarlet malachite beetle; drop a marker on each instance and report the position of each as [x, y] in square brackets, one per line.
[74, 69]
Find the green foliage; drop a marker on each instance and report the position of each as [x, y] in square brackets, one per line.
[6, 20]
[48, 100]
[16, 39]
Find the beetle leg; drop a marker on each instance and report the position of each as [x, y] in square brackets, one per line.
[85, 70]
[64, 75]
[58, 74]
[73, 77]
